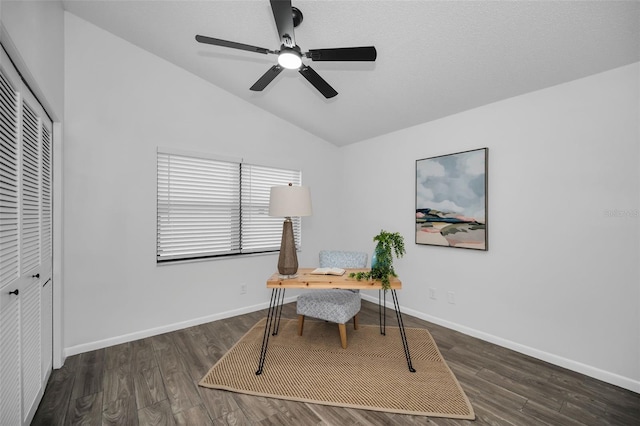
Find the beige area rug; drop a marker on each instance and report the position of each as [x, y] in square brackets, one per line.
[370, 374]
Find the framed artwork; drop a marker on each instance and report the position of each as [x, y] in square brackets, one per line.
[451, 200]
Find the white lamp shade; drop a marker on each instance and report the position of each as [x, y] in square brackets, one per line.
[288, 201]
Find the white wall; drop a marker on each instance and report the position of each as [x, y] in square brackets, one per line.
[121, 103]
[561, 278]
[33, 34]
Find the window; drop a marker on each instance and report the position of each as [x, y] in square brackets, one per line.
[209, 207]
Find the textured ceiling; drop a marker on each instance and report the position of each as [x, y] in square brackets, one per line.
[435, 58]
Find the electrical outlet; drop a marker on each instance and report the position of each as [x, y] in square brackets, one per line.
[451, 297]
[243, 288]
[432, 293]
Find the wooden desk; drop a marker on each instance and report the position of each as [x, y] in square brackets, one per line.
[305, 279]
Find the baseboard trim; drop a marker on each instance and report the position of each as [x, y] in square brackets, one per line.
[99, 344]
[596, 373]
[587, 370]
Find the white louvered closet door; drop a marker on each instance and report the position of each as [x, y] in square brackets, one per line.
[25, 249]
[30, 319]
[10, 373]
[46, 252]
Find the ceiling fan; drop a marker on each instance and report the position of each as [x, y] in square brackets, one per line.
[290, 56]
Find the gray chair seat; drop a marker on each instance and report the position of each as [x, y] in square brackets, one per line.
[329, 305]
[337, 306]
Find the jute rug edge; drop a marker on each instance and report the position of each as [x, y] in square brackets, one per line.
[342, 405]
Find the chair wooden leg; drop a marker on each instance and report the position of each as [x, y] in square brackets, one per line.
[355, 322]
[343, 335]
[300, 324]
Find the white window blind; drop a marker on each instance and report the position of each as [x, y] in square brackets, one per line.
[209, 208]
[261, 232]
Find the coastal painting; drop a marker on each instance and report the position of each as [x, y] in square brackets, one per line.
[451, 200]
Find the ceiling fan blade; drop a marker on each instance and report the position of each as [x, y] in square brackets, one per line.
[232, 44]
[283, 16]
[266, 78]
[317, 81]
[367, 53]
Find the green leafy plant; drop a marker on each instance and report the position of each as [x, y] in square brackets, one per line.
[389, 243]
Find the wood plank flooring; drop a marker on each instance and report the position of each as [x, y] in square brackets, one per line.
[153, 381]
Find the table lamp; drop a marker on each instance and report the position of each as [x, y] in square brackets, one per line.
[287, 201]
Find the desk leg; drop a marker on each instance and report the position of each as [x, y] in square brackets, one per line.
[279, 304]
[382, 312]
[272, 324]
[403, 335]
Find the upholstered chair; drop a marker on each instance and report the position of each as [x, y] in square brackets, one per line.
[336, 305]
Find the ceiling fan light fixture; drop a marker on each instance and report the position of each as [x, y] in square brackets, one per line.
[290, 59]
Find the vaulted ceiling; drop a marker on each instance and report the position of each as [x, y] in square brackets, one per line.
[435, 58]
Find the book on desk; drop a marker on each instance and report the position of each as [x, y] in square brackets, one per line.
[328, 271]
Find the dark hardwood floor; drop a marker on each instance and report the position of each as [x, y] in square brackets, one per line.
[153, 381]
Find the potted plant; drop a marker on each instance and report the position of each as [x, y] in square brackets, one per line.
[382, 259]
